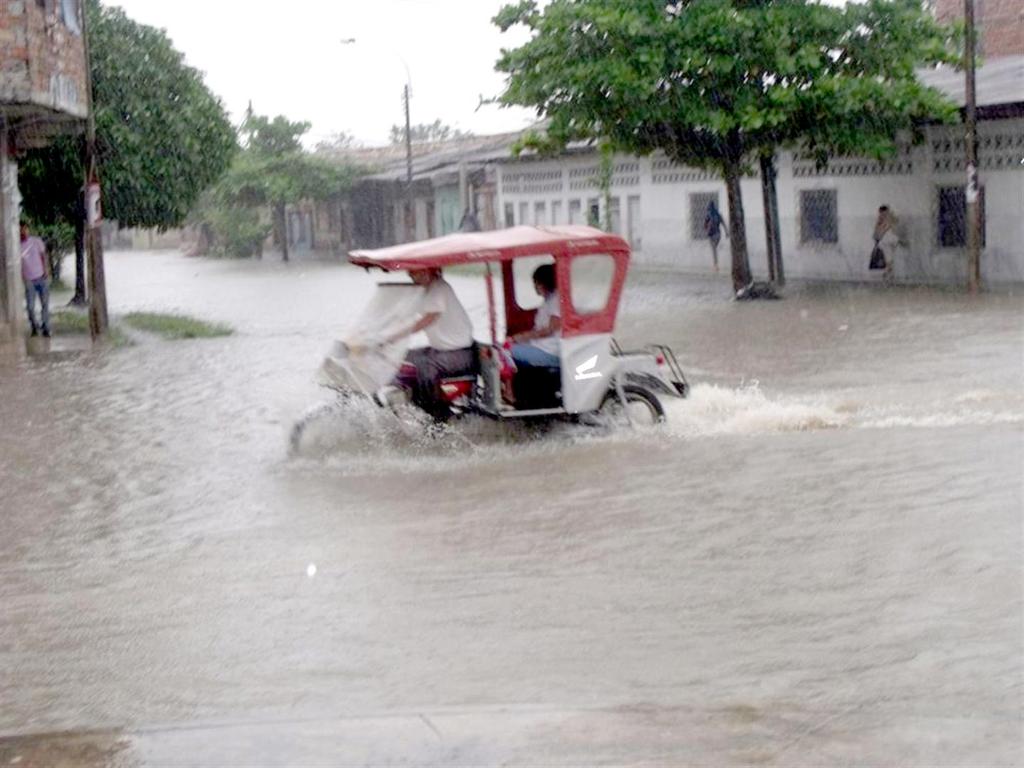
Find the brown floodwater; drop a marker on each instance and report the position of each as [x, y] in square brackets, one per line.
[817, 561]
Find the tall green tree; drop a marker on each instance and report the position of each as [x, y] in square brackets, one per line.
[716, 83]
[273, 171]
[162, 136]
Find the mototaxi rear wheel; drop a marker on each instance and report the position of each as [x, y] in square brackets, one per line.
[641, 409]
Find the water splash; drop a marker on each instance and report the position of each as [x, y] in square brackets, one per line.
[713, 410]
[356, 433]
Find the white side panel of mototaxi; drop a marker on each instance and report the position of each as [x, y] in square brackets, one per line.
[587, 370]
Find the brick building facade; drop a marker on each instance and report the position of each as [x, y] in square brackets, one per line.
[43, 93]
[1000, 24]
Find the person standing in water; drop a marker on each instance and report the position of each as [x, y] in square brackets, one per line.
[713, 226]
[35, 273]
[887, 237]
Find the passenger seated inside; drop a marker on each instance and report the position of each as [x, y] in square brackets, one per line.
[540, 347]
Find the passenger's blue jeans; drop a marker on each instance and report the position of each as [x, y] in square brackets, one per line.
[41, 287]
[533, 357]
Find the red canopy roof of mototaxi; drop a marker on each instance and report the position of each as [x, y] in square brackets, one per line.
[496, 245]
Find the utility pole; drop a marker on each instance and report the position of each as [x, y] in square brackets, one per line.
[409, 205]
[971, 141]
[98, 319]
[410, 201]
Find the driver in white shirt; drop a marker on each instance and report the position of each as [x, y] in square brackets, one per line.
[450, 333]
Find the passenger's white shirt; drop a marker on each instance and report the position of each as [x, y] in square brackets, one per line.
[542, 320]
[452, 330]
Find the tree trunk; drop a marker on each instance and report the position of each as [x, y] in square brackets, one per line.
[282, 230]
[780, 273]
[769, 212]
[79, 299]
[737, 228]
[56, 262]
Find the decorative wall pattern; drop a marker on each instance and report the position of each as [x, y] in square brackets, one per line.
[664, 171]
[902, 164]
[586, 177]
[626, 174]
[520, 182]
[1000, 150]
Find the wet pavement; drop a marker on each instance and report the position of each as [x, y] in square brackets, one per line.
[816, 562]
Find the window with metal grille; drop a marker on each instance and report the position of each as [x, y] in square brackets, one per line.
[952, 212]
[819, 222]
[699, 202]
[510, 215]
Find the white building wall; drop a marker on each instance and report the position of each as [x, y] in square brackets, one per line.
[908, 183]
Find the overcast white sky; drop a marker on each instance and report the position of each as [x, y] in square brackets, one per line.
[288, 59]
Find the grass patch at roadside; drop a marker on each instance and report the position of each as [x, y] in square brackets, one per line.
[175, 326]
[71, 322]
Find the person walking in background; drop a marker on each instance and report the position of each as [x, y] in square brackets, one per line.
[35, 272]
[887, 239]
[469, 222]
[713, 226]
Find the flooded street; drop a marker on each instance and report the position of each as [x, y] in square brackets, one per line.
[816, 562]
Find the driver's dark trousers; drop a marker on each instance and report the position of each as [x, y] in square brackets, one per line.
[432, 365]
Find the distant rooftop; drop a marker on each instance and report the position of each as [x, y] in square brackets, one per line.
[428, 156]
[1000, 93]
[1000, 82]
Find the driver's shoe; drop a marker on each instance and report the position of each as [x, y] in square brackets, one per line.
[389, 396]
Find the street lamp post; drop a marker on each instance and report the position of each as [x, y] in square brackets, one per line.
[410, 200]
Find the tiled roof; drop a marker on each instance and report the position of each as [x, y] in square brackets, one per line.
[999, 82]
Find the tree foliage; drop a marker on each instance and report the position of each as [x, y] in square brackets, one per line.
[277, 136]
[162, 137]
[273, 171]
[714, 83]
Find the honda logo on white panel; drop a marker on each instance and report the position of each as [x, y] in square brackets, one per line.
[586, 370]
